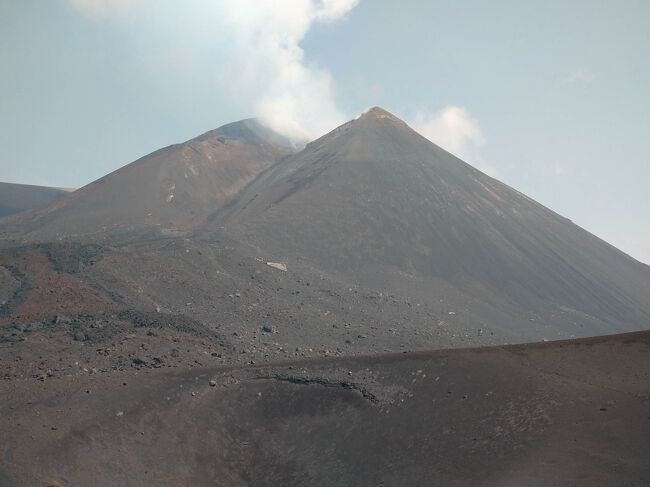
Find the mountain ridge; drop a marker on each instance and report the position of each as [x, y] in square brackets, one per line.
[16, 198]
[170, 189]
[371, 209]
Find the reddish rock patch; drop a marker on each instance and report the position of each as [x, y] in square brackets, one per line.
[50, 292]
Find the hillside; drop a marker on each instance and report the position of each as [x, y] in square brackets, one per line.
[16, 198]
[379, 203]
[168, 191]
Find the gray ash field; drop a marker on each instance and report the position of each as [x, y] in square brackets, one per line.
[347, 260]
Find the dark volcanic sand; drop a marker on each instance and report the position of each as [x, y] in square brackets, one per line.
[573, 413]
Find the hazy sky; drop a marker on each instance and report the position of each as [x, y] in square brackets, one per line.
[551, 97]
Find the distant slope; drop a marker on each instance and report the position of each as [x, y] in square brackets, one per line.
[171, 189]
[374, 198]
[565, 414]
[15, 198]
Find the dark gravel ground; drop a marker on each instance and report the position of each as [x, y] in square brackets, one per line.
[560, 413]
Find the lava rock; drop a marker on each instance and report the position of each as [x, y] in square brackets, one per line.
[80, 336]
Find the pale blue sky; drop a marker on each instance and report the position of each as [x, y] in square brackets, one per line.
[552, 97]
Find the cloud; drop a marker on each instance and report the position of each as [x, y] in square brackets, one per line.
[249, 48]
[333, 10]
[634, 242]
[456, 131]
[579, 76]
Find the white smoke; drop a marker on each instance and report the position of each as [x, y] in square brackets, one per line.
[456, 131]
[249, 51]
[294, 98]
[252, 48]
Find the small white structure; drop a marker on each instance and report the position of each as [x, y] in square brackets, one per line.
[278, 265]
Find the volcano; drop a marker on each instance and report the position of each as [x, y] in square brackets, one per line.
[378, 239]
[378, 202]
[285, 314]
[170, 190]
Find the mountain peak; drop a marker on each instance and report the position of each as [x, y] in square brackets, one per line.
[379, 113]
[254, 131]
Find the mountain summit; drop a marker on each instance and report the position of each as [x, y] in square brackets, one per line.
[171, 189]
[375, 198]
[379, 113]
